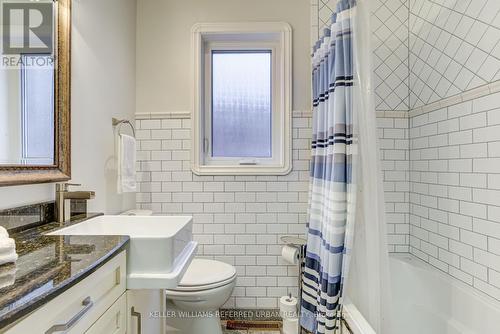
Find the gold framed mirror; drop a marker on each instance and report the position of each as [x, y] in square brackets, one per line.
[37, 144]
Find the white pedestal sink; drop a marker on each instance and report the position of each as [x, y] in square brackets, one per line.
[160, 248]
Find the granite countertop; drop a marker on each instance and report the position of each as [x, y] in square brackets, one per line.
[49, 265]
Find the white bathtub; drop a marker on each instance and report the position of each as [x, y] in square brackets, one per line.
[431, 302]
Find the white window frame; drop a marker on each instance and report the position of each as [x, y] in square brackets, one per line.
[273, 36]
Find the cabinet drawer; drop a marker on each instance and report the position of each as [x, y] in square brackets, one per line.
[80, 306]
[114, 320]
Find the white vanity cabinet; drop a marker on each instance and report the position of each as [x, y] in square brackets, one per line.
[96, 305]
[147, 311]
[158, 254]
[113, 321]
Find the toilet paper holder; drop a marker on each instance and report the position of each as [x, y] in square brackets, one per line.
[300, 244]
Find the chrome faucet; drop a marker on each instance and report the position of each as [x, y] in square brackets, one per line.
[63, 196]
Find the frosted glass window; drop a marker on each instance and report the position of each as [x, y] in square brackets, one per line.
[241, 104]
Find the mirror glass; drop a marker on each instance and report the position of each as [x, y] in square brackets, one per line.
[27, 121]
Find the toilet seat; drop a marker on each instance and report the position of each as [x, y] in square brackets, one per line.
[203, 289]
[204, 274]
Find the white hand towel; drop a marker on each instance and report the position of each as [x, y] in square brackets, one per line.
[10, 257]
[7, 245]
[7, 250]
[3, 232]
[7, 276]
[126, 164]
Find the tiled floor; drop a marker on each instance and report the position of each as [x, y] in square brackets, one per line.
[249, 331]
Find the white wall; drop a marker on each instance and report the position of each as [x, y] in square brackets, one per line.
[103, 76]
[164, 44]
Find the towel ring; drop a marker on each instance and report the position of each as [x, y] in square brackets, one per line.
[118, 122]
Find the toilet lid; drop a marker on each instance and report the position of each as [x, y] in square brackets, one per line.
[206, 272]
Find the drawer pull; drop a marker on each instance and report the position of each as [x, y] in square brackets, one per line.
[139, 321]
[87, 304]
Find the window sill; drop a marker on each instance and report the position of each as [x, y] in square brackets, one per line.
[206, 170]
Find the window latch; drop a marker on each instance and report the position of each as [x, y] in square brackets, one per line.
[205, 145]
[248, 162]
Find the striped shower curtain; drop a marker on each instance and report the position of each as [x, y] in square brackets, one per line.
[331, 191]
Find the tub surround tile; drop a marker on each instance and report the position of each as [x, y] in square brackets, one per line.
[454, 195]
[49, 265]
[390, 45]
[394, 155]
[439, 63]
[451, 55]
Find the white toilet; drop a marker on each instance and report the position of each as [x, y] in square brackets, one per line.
[193, 307]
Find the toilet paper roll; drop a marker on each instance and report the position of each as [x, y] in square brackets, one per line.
[288, 307]
[291, 326]
[290, 254]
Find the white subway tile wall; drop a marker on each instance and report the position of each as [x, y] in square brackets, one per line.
[393, 136]
[237, 219]
[455, 191]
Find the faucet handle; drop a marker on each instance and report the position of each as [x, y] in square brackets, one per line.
[65, 186]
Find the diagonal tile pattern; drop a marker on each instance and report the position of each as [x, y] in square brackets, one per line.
[389, 21]
[325, 10]
[427, 50]
[454, 47]
[389, 45]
